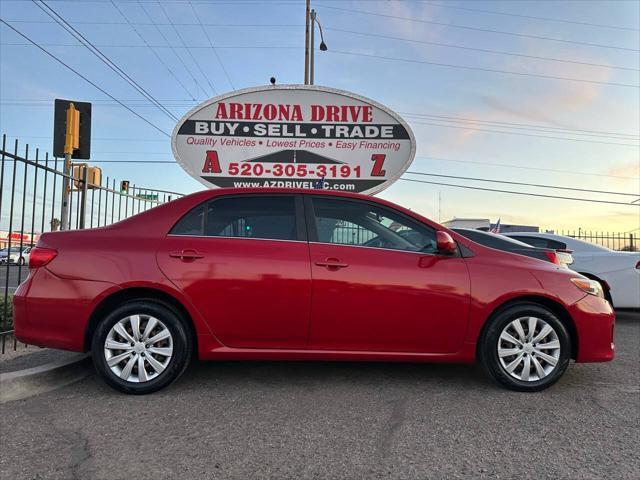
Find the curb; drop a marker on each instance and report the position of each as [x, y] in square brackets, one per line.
[44, 378]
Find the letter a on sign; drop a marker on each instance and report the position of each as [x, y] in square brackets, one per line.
[211, 163]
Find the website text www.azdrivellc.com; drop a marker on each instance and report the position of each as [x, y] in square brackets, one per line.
[310, 184]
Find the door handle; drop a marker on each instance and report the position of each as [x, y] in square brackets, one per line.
[330, 263]
[186, 255]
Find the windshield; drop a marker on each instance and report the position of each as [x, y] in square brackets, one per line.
[13, 250]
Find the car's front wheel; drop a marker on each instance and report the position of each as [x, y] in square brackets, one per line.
[525, 347]
[141, 346]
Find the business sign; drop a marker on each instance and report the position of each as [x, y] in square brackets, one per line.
[294, 136]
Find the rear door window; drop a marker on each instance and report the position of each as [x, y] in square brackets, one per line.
[270, 217]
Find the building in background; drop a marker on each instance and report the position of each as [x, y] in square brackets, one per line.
[26, 238]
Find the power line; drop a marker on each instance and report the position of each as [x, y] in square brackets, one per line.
[206, 77]
[215, 51]
[101, 56]
[187, 69]
[487, 30]
[533, 17]
[530, 126]
[484, 189]
[85, 78]
[484, 50]
[275, 47]
[522, 167]
[433, 117]
[171, 72]
[551, 137]
[482, 69]
[177, 24]
[509, 182]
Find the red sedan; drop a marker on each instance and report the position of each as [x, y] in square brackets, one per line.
[302, 275]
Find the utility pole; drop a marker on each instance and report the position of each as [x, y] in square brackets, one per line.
[439, 207]
[312, 46]
[71, 143]
[306, 42]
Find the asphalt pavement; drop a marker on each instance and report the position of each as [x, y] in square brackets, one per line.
[16, 276]
[336, 420]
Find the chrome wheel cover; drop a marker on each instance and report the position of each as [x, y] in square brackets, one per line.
[528, 349]
[138, 348]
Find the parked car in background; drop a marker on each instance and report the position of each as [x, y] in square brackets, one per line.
[15, 255]
[618, 272]
[506, 244]
[269, 274]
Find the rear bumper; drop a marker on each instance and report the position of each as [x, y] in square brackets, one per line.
[53, 312]
[595, 321]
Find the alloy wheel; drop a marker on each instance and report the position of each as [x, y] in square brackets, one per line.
[138, 348]
[528, 349]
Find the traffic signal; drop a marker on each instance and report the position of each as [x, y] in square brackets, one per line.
[94, 176]
[78, 116]
[124, 186]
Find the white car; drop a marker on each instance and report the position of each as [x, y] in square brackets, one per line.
[14, 256]
[618, 272]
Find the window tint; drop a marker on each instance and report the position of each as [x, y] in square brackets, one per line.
[252, 217]
[268, 217]
[359, 223]
[191, 224]
[556, 245]
[541, 242]
[491, 240]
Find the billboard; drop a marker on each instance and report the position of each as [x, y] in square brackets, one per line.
[294, 136]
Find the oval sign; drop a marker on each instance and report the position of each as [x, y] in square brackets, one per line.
[294, 136]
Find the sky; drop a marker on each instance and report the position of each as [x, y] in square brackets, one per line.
[434, 62]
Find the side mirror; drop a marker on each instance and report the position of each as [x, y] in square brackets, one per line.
[446, 245]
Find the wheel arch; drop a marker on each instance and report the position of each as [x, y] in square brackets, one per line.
[556, 308]
[138, 293]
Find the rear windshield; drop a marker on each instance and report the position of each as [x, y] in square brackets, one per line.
[491, 240]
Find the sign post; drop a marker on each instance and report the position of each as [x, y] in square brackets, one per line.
[294, 136]
[71, 142]
[71, 139]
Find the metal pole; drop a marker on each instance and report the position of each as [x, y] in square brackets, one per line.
[306, 43]
[83, 198]
[312, 47]
[64, 216]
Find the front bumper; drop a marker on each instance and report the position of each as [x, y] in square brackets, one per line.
[595, 322]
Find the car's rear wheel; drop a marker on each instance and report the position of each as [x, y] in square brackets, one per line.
[525, 347]
[141, 346]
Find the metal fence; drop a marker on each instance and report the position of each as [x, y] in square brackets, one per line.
[31, 199]
[627, 242]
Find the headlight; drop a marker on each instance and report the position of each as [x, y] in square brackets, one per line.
[591, 287]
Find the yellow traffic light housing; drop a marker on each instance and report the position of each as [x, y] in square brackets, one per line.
[72, 136]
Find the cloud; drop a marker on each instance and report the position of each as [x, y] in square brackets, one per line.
[631, 170]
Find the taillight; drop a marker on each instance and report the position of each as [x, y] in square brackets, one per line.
[553, 258]
[40, 256]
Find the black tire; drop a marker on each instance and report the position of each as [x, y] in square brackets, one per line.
[488, 345]
[172, 320]
[21, 261]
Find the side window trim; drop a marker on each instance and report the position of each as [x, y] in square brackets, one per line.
[313, 232]
[299, 217]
